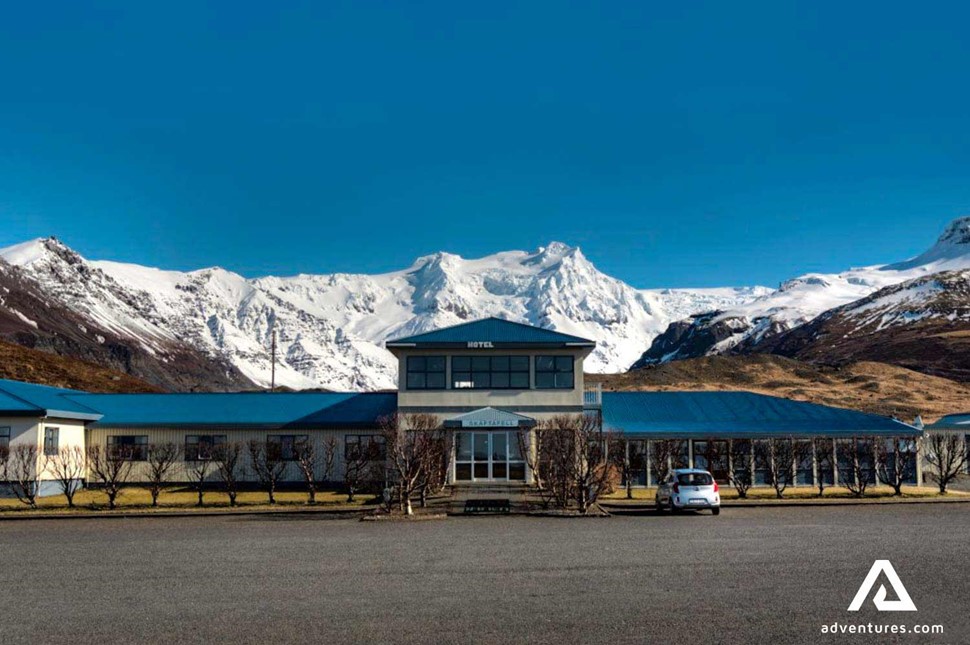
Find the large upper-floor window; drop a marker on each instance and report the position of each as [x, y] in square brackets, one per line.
[5, 438]
[128, 446]
[490, 372]
[285, 446]
[52, 440]
[204, 447]
[425, 373]
[554, 372]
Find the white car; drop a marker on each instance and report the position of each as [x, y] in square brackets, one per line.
[689, 488]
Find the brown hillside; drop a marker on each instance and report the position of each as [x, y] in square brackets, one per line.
[23, 364]
[871, 387]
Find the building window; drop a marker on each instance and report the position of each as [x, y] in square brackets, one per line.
[203, 447]
[426, 373]
[369, 446]
[762, 463]
[129, 447]
[637, 459]
[51, 441]
[554, 372]
[4, 439]
[804, 466]
[712, 456]
[490, 372]
[285, 446]
[680, 453]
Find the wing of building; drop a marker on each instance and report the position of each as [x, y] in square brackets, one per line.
[490, 383]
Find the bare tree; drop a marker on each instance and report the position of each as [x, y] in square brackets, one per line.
[946, 454]
[574, 461]
[823, 452]
[628, 460]
[777, 457]
[362, 463]
[329, 457]
[855, 463]
[68, 469]
[230, 469]
[111, 469]
[199, 470]
[4, 464]
[531, 448]
[306, 460]
[20, 472]
[896, 461]
[269, 466]
[741, 476]
[553, 448]
[434, 469]
[660, 452]
[160, 460]
[413, 443]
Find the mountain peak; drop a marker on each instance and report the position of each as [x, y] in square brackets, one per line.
[556, 248]
[31, 251]
[957, 233]
[953, 244]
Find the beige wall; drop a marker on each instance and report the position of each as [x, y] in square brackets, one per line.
[181, 471]
[22, 430]
[31, 431]
[70, 435]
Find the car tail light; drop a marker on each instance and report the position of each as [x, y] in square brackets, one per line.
[676, 488]
[716, 487]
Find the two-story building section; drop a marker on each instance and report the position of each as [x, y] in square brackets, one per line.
[491, 381]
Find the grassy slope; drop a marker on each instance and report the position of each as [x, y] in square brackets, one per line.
[870, 387]
[23, 364]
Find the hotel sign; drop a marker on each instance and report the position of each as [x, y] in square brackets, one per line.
[490, 418]
[480, 344]
[490, 423]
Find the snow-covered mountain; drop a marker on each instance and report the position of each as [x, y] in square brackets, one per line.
[331, 328]
[80, 313]
[753, 325]
[922, 324]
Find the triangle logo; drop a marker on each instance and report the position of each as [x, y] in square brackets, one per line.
[905, 603]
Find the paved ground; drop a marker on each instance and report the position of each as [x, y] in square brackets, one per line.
[759, 575]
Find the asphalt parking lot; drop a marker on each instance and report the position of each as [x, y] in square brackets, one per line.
[749, 576]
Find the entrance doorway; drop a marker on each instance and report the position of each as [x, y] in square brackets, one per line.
[494, 455]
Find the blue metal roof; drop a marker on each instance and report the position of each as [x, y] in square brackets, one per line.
[496, 331]
[736, 414]
[30, 399]
[261, 409]
[958, 422]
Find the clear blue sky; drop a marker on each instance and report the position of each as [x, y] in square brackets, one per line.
[679, 144]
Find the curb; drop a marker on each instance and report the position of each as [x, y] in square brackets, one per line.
[809, 502]
[337, 513]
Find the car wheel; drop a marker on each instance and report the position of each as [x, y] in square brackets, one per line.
[673, 507]
[716, 510]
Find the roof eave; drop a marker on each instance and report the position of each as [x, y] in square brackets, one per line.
[494, 345]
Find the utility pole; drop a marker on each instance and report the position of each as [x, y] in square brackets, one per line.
[272, 373]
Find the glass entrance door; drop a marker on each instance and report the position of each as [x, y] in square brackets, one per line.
[488, 456]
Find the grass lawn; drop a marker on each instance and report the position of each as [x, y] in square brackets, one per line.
[180, 498]
[800, 492]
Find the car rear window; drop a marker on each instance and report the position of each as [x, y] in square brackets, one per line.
[695, 479]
